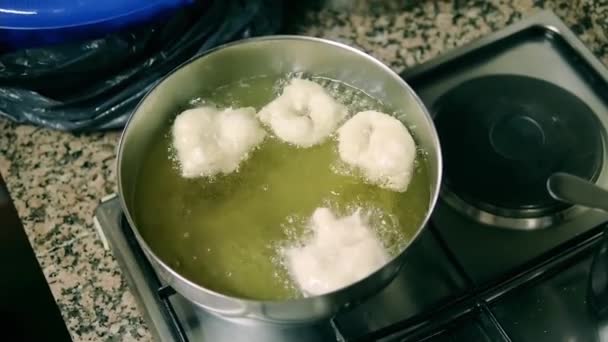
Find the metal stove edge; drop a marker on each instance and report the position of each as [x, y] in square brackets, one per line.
[546, 18]
[139, 277]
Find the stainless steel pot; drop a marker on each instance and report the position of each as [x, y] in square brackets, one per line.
[276, 55]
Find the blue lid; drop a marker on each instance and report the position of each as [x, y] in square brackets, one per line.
[26, 23]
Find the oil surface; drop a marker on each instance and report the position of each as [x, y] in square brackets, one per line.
[226, 233]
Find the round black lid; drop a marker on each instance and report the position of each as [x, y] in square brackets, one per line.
[503, 135]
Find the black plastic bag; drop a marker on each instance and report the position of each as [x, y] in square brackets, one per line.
[94, 85]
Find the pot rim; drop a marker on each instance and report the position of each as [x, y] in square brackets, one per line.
[432, 200]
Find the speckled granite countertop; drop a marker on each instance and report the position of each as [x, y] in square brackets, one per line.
[57, 179]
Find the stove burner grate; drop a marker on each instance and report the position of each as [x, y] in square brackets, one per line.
[163, 293]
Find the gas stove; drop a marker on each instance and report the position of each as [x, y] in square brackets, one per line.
[500, 259]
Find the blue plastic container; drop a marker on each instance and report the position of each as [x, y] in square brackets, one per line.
[32, 23]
